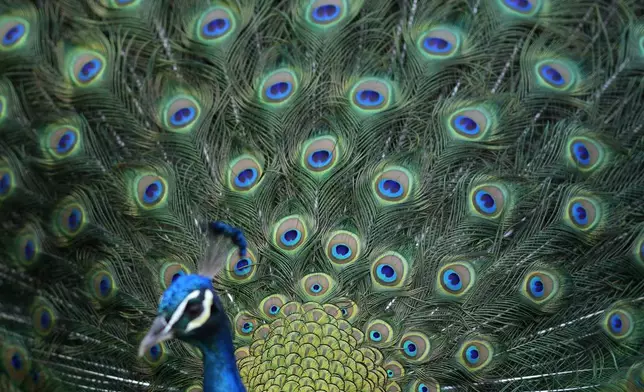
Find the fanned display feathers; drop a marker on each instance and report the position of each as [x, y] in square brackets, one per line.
[417, 195]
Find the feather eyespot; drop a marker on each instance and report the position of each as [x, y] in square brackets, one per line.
[156, 354]
[638, 250]
[348, 309]
[427, 385]
[342, 248]
[3, 107]
[393, 185]
[415, 347]
[317, 287]
[326, 13]
[170, 272]
[619, 323]
[102, 286]
[440, 43]
[474, 355]
[245, 324]
[14, 32]
[320, 154]
[278, 87]
[379, 333]
[64, 141]
[488, 200]
[71, 219]
[394, 369]
[290, 233]
[389, 271]
[585, 153]
[470, 124]
[456, 279]
[271, 305]
[87, 68]
[555, 74]
[16, 362]
[540, 286]
[525, 7]
[181, 114]
[28, 247]
[241, 269]
[151, 191]
[215, 24]
[583, 213]
[244, 174]
[43, 319]
[372, 95]
[6, 183]
[120, 3]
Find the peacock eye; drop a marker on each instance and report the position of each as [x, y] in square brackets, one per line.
[194, 309]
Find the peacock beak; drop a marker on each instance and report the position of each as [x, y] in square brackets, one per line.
[158, 333]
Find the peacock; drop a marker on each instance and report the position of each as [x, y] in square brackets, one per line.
[322, 195]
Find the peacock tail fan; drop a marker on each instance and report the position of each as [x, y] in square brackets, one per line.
[414, 196]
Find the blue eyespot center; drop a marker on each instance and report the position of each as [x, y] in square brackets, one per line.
[452, 280]
[437, 45]
[536, 287]
[29, 250]
[375, 336]
[519, 5]
[341, 251]
[390, 188]
[66, 142]
[551, 75]
[5, 184]
[104, 286]
[90, 69]
[183, 116]
[316, 288]
[616, 323]
[16, 361]
[423, 388]
[579, 214]
[326, 13]
[247, 327]
[45, 319]
[242, 267]
[291, 237]
[153, 192]
[369, 98]
[155, 352]
[581, 153]
[320, 158]
[344, 311]
[13, 34]
[390, 373]
[74, 219]
[386, 273]
[472, 355]
[410, 348]
[274, 309]
[466, 125]
[246, 178]
[216, 27]
[279, 90]
[485, 202]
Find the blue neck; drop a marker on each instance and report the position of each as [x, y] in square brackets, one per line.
[220, 372]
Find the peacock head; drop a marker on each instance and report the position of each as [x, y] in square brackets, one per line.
[189, 310]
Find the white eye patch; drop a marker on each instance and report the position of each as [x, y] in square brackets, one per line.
[197, 322]
[205, 313]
